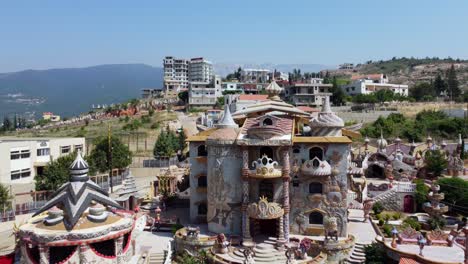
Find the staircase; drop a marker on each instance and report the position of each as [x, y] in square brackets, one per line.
[265, 252]
[156, 258]
[357, 256]
[389, 200]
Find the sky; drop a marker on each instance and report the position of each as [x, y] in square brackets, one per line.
[57, 34]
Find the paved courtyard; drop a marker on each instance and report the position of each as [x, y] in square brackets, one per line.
[439, 254]
[363, 231]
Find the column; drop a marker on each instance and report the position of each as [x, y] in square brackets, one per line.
[43, 254]
[286, 179]
[119, 249]
[245, 194]
[465, 230]
[280, 228]
[83, 252]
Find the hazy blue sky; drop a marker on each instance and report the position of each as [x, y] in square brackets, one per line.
[49, 34]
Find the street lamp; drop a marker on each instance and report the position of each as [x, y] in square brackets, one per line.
[394, 234]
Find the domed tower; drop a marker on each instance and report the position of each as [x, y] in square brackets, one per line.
[382, 143]
[327, 123]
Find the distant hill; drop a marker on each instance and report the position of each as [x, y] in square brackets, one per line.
[71, 91]
[412, 70]
[224, 69]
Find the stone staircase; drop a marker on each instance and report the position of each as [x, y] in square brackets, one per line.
[357, 256]
[265, 252]
[389, 200]
[156, 258]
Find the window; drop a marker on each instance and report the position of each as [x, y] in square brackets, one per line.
[316, 152]
[315, 218]
[202, 209]
[315, 188]
[266, 151]
[43, 152]
[65, 149]
[266, 189]
[15, 155]
[296, 150]
[201, 151]
[17, 174]
[79, 147]
[25, 154]
[202, 181]
[267, 122]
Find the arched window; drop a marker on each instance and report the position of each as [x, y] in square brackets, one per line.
[315, 218]
[267, 122]
[265, 188]
[266, 151]
[202, 181]
[201, 151]
[296, 150]
[202, 209]
[315, 187]
[315, 152]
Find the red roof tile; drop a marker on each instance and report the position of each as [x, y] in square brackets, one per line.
[253, 97]
[308, 109]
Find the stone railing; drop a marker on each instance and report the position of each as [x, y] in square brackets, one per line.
[405, 187]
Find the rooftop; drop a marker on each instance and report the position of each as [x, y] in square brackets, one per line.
[253, 97]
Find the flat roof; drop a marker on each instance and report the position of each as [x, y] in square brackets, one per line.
[16, 139]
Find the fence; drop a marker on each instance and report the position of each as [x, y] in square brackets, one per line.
[160, 162]
[39, 199]
[103, 179]
[405, 187]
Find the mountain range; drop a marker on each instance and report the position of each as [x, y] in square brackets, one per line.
[71, 91]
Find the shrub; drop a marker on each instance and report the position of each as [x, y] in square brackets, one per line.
[387, 229]
[387, 218]
[396, 215]
[437, 222]
[409, 221]
[381, 222]
[155, 125]
[377, 208]
[374, 254]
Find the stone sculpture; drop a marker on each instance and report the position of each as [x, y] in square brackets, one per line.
[331, 228]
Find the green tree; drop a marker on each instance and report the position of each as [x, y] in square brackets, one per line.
[452, 83]
[183, 96]
[421, 192]
[182, 139]
[338, 96]
[422, 91]
[5, 197]
[6, 124]
[435, 162]
[99, 157]
[456, 192]
[375, 254]
[439, 85]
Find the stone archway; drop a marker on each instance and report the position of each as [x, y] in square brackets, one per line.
[375, 170]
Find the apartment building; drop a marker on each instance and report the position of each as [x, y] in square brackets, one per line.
[24, 158]
[255, 75]
[176, 77]
[205, 94]
[367, 84]
[232, 86]
[200, 70]
[310, 93]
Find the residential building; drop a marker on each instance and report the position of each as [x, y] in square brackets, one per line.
[211, 117]
[232, 86]
[346, 66]
[150, 93]
[255, 75]
[367, 84]
[24, 158]
[270, 170]
[200, 70]
[205, 94]
[50, 116]
[310, 93]
[175, 75]
[279, 76]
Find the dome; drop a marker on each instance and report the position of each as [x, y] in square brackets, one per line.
[366, 140]
[382, 142]
[326, 123]
[397, 139]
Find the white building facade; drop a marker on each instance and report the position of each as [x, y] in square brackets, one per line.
[176, 77]
[308, 94]
[205, 94]
[255, 75]
[24, 158]
[200, 70]
[373, 83]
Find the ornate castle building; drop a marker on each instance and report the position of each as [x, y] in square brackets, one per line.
[270, 170]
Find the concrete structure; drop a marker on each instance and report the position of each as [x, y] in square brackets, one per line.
[50, 116]
[176, 77]
[270, 170]
[210, 117]
[255, 75]
[346, 66]
[24, 158]
[311, 93]
[205, 94]
[239, 102]
[232, 86]
[367, 84]
[150, 93]
[200, 70]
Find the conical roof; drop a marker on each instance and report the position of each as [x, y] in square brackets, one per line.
[273, 90]
[227, 121]
[75, 196]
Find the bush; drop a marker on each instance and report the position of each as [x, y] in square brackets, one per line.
[396, 215]
[387, 218]
[155, 125]
[377, 208]
[374, 254]
[437, 222]
[387, 229]
[381, 222]
[411, 222]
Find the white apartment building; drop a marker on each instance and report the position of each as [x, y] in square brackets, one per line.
[310, 93]
[231, 86]
[200, 70]
[175, 75]
[367, 84]
[24, 158]
[205, 94]
[255, 75]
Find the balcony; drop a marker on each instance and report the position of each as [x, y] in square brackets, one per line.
[316, 167]
[265, 168]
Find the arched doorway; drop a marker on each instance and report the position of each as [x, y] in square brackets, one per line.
[315, 152]
[266, 188]
[408, 204]
[375, 171]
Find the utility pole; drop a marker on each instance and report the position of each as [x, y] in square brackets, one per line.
[109, 158]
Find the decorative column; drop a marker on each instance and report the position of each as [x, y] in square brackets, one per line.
[43, 254]
[83, 252]
[245, 195]
[286, 179]
[119, 249]
[280, 228]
